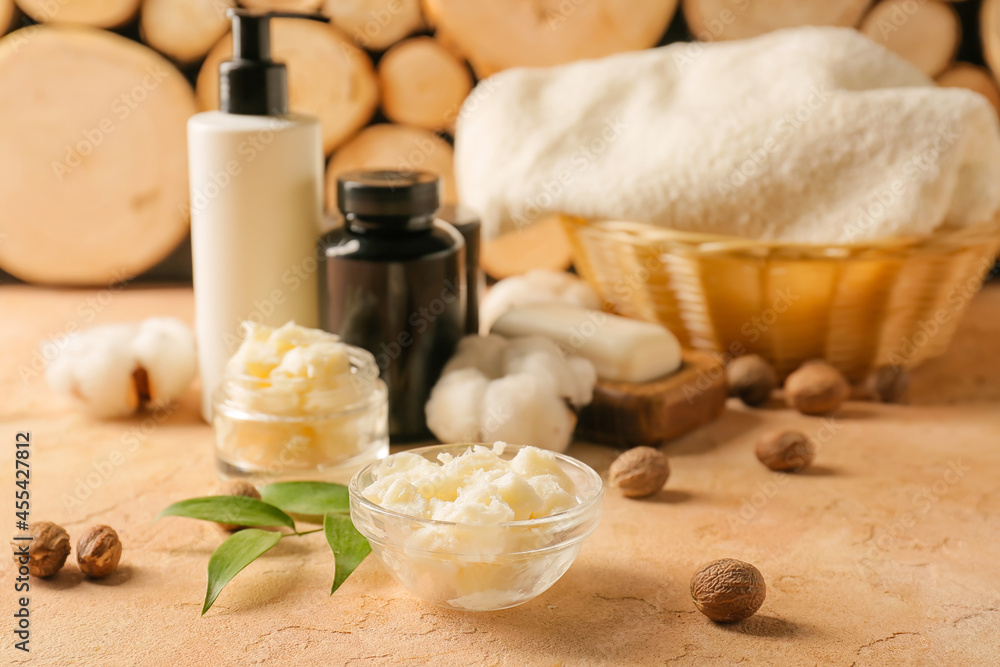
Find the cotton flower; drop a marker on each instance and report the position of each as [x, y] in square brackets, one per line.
[539, 286]
[115, 368]
[515, 390]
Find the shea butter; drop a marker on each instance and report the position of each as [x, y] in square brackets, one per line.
[475, 487]
[476, 527]
[299, 402]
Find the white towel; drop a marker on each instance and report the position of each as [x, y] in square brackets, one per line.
[813, 135]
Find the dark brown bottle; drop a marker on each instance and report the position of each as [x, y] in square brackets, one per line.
[468, 225]
[392, 281]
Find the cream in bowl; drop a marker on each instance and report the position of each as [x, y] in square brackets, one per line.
[476, 527]
[298, 402]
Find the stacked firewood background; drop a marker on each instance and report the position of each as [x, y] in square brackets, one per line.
[93, 184]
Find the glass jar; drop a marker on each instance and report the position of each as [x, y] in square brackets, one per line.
[302, 428]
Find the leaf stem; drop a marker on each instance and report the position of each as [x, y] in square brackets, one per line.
[300, 534]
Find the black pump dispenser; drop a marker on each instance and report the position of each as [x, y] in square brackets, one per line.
[251, 83]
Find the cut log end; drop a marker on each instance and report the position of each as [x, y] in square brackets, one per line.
[184, 30]
[717, 20]
[304, 6]
[972, 77]
[7, 10]
[989, 32]
[375, 24]
[328, 77]
[96, 13]
[431, 11]
[398, 147]
[493, 35]
[82, 205]
[542, 245]
[927, 34]
[423, 84]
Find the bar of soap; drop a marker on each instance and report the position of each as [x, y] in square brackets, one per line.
[628, 414]
[621, 349]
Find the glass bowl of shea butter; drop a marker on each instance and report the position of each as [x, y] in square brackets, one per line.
[476, 527]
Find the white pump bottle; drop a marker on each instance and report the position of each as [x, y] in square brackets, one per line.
[256, 203]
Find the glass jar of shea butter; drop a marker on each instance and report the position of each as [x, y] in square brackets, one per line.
[322, 425]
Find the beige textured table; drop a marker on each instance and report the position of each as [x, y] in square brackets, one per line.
[887, 552]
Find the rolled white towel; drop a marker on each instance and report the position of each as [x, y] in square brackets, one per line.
[812, 135]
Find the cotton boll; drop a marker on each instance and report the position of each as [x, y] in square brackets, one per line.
[535, 287]
[60, 373]
[102, 365]
[585, 375]
[522, 410]
[510, 389]
[485, 353]
[571, 377]
[97, 366]
[164, 347]
[545, 365]
[454, 406]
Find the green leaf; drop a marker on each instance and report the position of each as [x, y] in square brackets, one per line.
[312, 498]
[349, 546]
[237, 510]
[233, 555]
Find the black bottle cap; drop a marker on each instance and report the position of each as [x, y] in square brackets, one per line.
[389, 196]
[251, 83]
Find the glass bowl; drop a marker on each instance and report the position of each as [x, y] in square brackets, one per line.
[474, 567]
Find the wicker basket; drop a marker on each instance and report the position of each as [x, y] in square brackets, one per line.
[894, 302]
